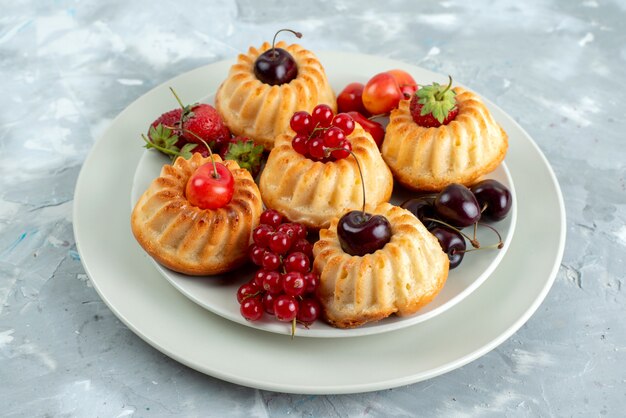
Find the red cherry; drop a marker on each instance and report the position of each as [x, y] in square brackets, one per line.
[381, 94]
[344, 122]
[322, 116]
[208, 190]
[405, 81]
[372, 127]
[302, 123]
[350, 99]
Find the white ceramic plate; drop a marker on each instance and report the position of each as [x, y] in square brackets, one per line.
[128, 283]
[217, 293]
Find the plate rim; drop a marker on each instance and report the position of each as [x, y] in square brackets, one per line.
[329, 388]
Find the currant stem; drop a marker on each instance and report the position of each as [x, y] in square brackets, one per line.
[215, 174]
[298, 35]
[440, 94]
[293, 328]
[472, 241]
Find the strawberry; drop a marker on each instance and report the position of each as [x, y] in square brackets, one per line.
[203, 121]
[434, 105]
[171, 119]
[245, 151]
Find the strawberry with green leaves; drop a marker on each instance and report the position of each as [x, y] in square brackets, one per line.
[245, 152]
[434, 105]
[164, 139]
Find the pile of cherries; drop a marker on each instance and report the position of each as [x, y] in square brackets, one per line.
[322, 135]
[456, 207]
[284, 285]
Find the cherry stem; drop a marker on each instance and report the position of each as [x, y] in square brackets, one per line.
[472, 241]
[439, 95]
[215, 174]
[500, 244]
[360, 172]
[298, 35]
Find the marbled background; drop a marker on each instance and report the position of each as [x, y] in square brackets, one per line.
[68, 67]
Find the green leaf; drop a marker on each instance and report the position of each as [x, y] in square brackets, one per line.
[185, 151]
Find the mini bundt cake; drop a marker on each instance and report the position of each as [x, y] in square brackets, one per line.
[430, 158]
[400, 278]
[312, 192]
[191, 240]
[262, 111]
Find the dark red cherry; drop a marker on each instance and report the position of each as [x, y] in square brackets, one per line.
[276, 66]
[452, 243]
[493, 198]
[361, 233]
[457, 205]
[421, 208]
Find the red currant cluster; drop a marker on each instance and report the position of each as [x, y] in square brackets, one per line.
[284, 286]
[321, 133]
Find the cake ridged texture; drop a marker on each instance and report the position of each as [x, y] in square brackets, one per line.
[312, 193]
[191, 240]
[400, 278]
[471, 145]
[261, 111]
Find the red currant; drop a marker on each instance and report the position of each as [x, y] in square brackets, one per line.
[280, 242]
[293, 283]
[311, 282]
[287, 229]
[246, 291]
[303, 246]
[268, 302]
[299, 144]
[322, 116]
[297, 262]
[256, 254]
[339, 154]
[270, 261]
[252, 308]
[299, 230]
[262, 234]
[309, 310]
[344, 122]
[301, 122]
[271, 217]
[258, 278]
[333, 137]
[273, 282]
[285, 308]
[316, 148]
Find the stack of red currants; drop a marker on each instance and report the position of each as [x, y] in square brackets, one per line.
[284, 286]
[322, 135]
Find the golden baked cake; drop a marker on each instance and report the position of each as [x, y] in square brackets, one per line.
[262, 111]
[191, 240]
[461, 151]
[400, 278]
[313, 192]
